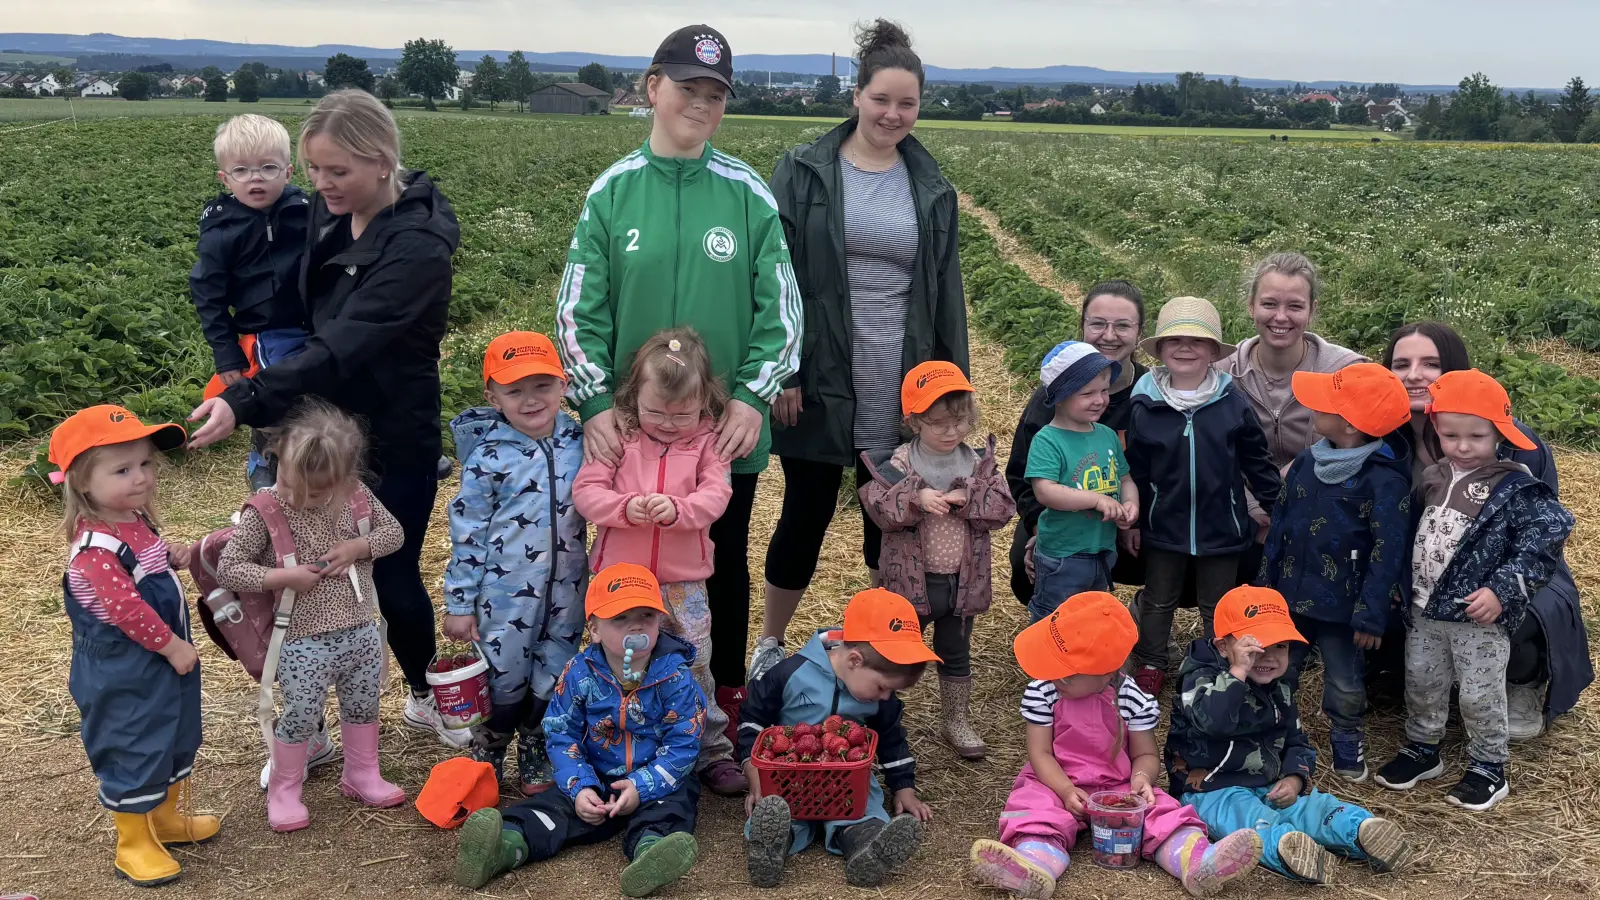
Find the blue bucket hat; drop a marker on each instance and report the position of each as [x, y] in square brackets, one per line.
[1070, 366]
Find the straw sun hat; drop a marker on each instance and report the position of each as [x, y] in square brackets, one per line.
[1187, 317]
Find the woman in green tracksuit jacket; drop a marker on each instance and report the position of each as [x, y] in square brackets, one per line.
[677, 233]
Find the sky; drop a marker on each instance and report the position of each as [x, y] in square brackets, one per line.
[1530, 43]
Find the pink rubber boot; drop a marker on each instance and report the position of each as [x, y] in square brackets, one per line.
[285, 812]
[361, 780]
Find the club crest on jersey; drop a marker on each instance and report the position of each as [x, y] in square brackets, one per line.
[721, 245]
[708, 51]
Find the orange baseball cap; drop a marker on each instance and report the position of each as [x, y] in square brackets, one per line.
[889, 623]
[616, 589]
[518, 354]
[1257, 611]
[1367, 395]
[928, 382]
[1472, 392]
[102, 426]
[457, 788]
[1090, 634]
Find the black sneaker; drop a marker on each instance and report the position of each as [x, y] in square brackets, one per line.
[1480, 788]
[1349, 755]
[1415, 762]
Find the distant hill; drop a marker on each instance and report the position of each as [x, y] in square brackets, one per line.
[185, 53]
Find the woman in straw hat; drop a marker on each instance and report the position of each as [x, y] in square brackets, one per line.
[1194, 444]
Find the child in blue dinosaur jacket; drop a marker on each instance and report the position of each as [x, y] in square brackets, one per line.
[1490, 536]
[1337, 547]
[623, 730]
[1237, 754]
[518, 565]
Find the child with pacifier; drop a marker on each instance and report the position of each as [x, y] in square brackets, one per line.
[623, 732]
[333, 639]
[654, 507]
[135, 675]
[1091, 728]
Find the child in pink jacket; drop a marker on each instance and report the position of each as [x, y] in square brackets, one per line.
[655, 507]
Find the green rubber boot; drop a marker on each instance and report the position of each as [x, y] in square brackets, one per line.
[658, 863]
[487, 850]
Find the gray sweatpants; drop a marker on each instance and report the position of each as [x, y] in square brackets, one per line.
[1441, 653]
[350, 659]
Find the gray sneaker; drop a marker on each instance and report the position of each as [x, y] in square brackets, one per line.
[1525, 710]
[768, 653]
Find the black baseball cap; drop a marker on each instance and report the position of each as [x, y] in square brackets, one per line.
[696, 51]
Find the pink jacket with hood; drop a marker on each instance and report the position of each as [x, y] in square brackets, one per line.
[689, 471]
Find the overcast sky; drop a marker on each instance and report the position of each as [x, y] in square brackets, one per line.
[1526, 43]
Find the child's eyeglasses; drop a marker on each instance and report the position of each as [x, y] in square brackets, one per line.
[681, 420]
[268, 172]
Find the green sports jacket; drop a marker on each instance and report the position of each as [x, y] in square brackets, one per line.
[666, 242]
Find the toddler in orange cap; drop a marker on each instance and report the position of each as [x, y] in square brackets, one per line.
[1091, 728]
[1336, 548]
[623, 730]
[1237, 754]
[1491, 536]
[849, 673]
[518, 564]
[937, 502]
[135, 675]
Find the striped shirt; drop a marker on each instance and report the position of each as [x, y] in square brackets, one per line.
[880, 244]
[1138, 709]
[99, 583]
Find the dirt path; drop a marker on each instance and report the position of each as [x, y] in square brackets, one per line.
[1014, 251]
[1540, 843]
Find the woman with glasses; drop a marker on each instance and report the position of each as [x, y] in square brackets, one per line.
[1112, 320]
[871, 222]
[376, 279]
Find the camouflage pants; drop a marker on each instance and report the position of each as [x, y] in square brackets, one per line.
[1440, 653]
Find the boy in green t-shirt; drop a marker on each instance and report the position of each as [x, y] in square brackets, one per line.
[1077, 467]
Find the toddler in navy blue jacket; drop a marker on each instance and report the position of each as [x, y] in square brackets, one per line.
[246, 282]
[1336, 550]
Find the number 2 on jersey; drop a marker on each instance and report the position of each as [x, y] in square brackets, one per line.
[633, 240]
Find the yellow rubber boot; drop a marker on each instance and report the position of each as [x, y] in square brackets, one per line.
[140, 857]
[172, 826]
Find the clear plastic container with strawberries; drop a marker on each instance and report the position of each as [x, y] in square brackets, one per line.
[823, 771]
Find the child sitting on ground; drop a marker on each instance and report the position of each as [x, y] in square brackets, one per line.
[655, 506]
[1091, 729]
[332, 638]
[937, 501]
[1079, 475]
[246, 283]
[517, 564]
[852, 672]
[1336, 549]
[624, 732]
[135, 675]
[1490, 538]
[1237, 754]
[1194, 445]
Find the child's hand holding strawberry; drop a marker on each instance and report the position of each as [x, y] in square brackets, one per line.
[906, 801]
[590, 807]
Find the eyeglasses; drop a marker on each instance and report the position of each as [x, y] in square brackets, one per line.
[680, 420]
[268, 172]
[1123, 327]
[948, 426]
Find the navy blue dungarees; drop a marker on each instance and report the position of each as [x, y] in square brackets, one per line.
[140, 718]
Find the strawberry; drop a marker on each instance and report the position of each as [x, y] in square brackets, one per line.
[765, 754]
[857, 735]
[805, 729]
[834, 745]
[807, 745]
[781, 745]
[788, 758]
[832, 724]
[856, 754]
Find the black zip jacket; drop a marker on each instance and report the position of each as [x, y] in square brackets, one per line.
[247, 277]
[377, 311]
[1192, 469]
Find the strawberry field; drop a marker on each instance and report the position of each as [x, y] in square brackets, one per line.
[99, 228]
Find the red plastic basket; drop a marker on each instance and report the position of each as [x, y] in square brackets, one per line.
[829, 791]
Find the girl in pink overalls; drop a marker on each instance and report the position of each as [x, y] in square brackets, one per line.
[1090, 728]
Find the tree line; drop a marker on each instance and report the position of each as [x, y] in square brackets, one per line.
[1479, 110]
